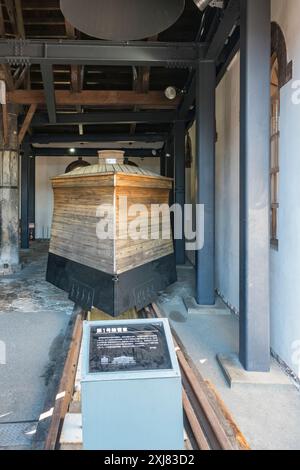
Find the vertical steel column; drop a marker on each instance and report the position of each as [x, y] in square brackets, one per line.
[170, 163]
[205, 155]
[31, 201]
[254, 185]
[163, 164]
[25, 165]
[48, 82]
[179, 160]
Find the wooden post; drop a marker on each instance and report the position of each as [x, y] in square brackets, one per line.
[9, 195]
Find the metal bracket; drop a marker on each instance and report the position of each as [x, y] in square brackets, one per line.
[18, 50]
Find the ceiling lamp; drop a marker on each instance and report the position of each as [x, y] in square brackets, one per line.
[122, 20]
[170, 93]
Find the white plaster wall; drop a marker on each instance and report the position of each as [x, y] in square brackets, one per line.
[285, 263]
[227, 185]
[48, 167]
[190, 185]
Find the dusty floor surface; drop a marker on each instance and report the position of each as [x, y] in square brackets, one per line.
[33, 318]
[268, 415]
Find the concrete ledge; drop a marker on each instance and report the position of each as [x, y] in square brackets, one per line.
[193, 308]
[71, 435]
[235, 374]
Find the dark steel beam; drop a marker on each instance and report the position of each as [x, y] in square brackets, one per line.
[118, 99]
[229, 52]
[217, 45]
[48, 81]
[254, 185]
[163, 164]
[109, 117]
[189, 99]
[68, 138]
[205, 155]
[144, 53]
[229, 20]
[31, 200]
[79, 152]
[179, 160]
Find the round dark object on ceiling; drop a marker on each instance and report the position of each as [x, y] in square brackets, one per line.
[76, 164]
[122, 20]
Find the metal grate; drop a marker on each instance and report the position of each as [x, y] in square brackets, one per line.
[17, 435]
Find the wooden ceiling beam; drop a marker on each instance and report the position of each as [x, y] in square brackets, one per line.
[70, 30]
[7, 77]
[5, 68]
[10, 7]
[42, 5]
[76, 82]
[155, 99]
[22, 77]
[2, 24]
[19, 19]
[26, 123]
[142, 83]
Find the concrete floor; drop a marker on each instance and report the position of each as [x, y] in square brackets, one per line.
[33, 319]
[268, 416]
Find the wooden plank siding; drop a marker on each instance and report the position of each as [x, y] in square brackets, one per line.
[74, 228]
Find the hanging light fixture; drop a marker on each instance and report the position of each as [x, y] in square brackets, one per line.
[122, 20]
[170, 93]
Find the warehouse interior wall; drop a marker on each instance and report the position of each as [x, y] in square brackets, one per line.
[227, 184]
[285, 261]
[190, 184]
[47, 168]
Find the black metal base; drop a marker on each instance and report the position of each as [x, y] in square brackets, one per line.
[114, 295]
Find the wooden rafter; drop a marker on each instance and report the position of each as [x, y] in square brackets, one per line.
[4, 110]
[19, 19]
[22, 77]
[70, 30]
[14, 10]
[5, 123]
[5, 68]
[142, 83]
[10, 7]
[2, 24]
[76, 82]
[76, 72]
[153, 99]
[26, 123]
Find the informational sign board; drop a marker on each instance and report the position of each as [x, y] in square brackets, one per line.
[131, 390]
[139, 347]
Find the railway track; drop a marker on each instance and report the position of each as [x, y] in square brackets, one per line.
[208, 423]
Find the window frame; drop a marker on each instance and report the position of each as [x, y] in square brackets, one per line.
[274, 151]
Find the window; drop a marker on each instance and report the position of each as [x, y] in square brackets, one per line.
[281, 73]
[274, 153]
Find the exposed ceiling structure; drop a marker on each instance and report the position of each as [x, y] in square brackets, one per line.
[70, 84]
